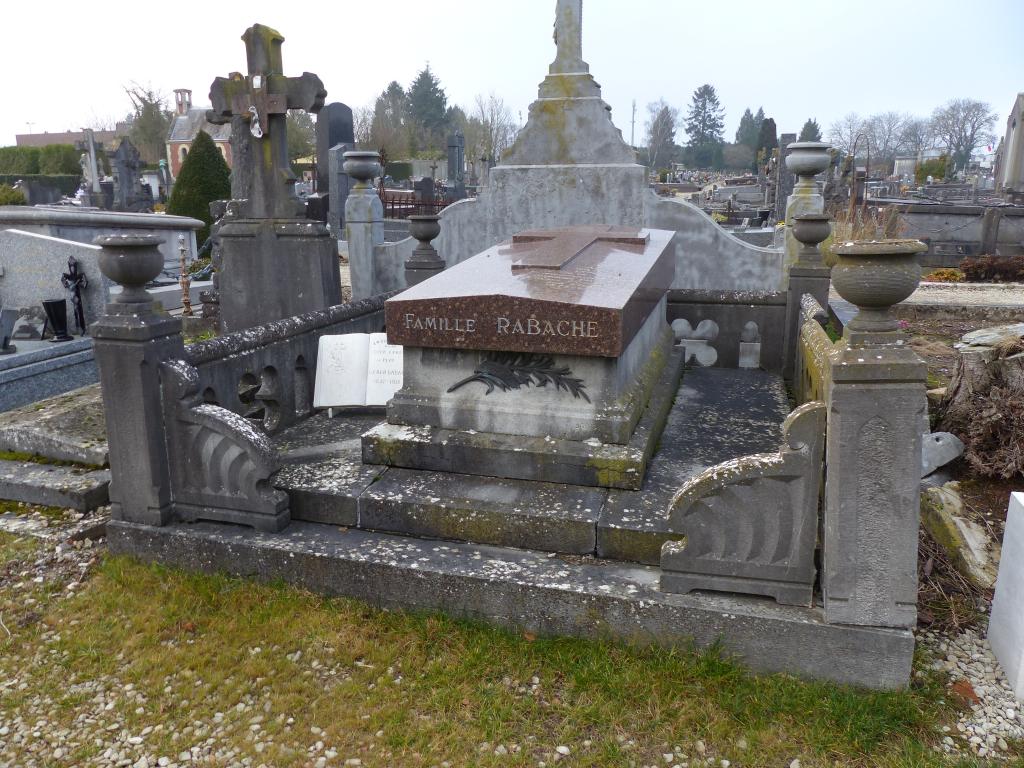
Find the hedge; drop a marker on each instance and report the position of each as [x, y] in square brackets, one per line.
[65, 182]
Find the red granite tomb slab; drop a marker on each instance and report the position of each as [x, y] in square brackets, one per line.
[577, 291]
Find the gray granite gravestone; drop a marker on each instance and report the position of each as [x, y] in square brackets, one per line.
[457, 164]
[31, 266]
[7, 319]
[126, 165]
[333, 126]
[275, 264]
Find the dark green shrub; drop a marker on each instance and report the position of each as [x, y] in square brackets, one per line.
[59, 159]
[398, 171]
[204, 177]
[936, 168]
[19, 160]
[11, 196]
[66, 183]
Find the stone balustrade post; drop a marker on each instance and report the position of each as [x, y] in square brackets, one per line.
[130, 341]
[364, 221]
[807, 275]
[425, 261]
[876, 406]
[806, 159]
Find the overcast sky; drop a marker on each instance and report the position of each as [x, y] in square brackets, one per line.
[67, 63]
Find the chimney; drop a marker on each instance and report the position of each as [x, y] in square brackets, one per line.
[182, 100]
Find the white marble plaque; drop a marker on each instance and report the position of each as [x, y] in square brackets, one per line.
[356, 369]
[1006, 626]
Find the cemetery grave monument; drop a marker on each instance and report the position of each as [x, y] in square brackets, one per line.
[542, 415]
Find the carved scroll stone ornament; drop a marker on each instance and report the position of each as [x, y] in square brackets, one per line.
[221, 464]
[751, 523]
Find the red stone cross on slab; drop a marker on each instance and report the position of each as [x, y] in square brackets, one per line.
[557, 247]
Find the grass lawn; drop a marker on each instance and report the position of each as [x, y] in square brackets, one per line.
[285, 677]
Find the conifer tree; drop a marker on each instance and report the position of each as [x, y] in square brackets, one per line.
[204, 177]
[811, 131]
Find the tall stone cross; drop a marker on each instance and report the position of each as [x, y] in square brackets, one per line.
[568, 38]
[262, 98]
[557, 247]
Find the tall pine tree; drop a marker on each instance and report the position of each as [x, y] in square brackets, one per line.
[746, 134]
[705, 123]
[811, 131]
[706, 120]
[428, 111]
[203, 178]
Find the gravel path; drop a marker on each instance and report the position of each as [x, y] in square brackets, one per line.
[976, 678]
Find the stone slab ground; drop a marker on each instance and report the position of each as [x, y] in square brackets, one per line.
[54, 486]
[68, 427]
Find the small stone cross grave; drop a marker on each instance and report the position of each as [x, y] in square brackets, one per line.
[262, 98]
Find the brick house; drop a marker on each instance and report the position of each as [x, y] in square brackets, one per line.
[185, 126]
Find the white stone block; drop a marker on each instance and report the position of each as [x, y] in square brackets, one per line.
[1006, 626]
[750, 354]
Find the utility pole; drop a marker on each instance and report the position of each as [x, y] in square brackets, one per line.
[632, 126]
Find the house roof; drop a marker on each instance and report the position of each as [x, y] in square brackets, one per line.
[186, 127]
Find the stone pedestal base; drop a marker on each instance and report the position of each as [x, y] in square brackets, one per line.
[614, 395]
[579, 462]
[275, 268]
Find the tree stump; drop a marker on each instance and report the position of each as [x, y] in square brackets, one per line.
[984, 402]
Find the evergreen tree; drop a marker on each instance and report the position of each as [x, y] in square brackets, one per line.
[204, 177]
[746, 134]
[705, 121]
[811, 131]
[767, 138]
[388, 127]
[428, 110]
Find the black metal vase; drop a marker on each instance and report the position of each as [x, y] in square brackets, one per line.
[57, 316]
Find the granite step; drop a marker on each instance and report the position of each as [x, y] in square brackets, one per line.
[54, 486]
[717, 414]
[532, 591]
[550, 517]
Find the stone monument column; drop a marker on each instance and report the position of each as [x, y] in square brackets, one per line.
[364, 220]
[130, 342]
[873, 472]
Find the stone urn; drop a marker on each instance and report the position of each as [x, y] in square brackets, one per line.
[425, 260]
[363, 166]
[807, 159]
[873, 275]
[810, 230]
[131, 261]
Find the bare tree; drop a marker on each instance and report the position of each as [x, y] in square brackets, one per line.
[961, 125]
[885, 132]
[917, 135]
[661, 133]
[843, 133]
[498, 125]
[362, 125]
